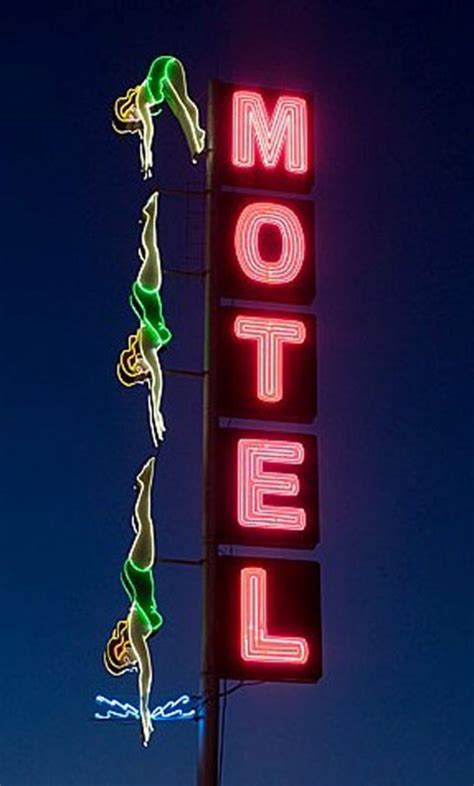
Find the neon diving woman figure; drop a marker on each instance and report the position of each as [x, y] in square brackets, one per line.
[134, 112]
[128, 646]
[139, 363]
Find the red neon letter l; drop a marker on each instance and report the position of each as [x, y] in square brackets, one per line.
[255, 643]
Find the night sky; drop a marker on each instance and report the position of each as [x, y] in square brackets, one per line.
[395, 395]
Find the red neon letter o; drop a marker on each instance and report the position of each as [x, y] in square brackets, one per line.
[247, 230]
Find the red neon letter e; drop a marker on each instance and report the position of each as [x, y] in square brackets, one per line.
[253, 484]
[286, 130]
[255, 643]
[270, 335]
[246, 237]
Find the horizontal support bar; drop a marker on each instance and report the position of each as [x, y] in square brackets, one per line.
[193, 273]
[182, 372]
[183, 191]
[171, 561]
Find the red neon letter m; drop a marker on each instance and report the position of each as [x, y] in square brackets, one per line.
[287, 130]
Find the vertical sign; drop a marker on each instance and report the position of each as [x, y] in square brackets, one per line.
[263, 368]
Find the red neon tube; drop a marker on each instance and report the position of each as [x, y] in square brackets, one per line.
[270, 335]
[256, 643]
[254, 483]
[246, 243]
[285, 132]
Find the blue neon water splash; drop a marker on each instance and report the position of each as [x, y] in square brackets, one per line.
[173, 710]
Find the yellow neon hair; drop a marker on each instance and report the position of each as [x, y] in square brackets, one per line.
[116, 659]
[131, 367]
[124, 112]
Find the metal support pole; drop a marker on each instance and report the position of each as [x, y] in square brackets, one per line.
[209, 721]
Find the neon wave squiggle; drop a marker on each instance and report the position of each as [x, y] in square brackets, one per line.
[173, 710]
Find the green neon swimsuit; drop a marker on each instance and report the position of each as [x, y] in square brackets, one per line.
[139, 585]
[147, 305]
[158, 73]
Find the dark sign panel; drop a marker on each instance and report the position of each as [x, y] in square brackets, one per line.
[267, 489]
[269, 620]
[264, 249]
[266, 365]
[263, 138]
[263, 484]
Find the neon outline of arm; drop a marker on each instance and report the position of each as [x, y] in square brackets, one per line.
[155, 389]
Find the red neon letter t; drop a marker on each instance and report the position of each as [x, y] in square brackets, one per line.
[270, 336]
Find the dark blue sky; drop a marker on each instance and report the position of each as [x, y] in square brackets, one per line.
[395, 398]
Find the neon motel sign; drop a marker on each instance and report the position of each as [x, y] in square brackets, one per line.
[264, 367]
